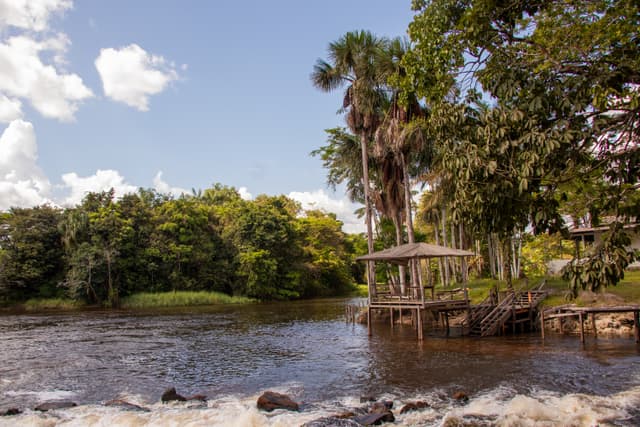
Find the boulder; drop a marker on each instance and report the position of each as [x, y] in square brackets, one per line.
[10, 411]
[271, 400]
[200, 397]
[413, 406]
[170, 395]
[367, 399]
[374, 419]
[460, 396]
[331, 422]
[50, 406]
[123, 404]
[381, 407]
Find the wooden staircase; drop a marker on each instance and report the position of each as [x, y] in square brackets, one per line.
[487, 319]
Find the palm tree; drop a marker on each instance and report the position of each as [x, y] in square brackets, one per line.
[355, 62]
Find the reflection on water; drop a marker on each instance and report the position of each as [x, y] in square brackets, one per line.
[303, 348]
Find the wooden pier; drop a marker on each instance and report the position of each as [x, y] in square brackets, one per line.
[584, 313]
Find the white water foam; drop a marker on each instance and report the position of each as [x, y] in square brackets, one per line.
[501, 407]
[44, 395]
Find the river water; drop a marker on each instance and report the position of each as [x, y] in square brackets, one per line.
[305, 349]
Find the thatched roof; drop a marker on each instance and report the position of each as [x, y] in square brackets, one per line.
[403, 253]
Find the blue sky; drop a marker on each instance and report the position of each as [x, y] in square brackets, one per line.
[171, 95]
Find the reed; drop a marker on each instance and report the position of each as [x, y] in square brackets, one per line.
[36, 304]
[180, 299]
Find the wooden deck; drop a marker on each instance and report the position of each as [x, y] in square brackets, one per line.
[487, 318]
[583, 313]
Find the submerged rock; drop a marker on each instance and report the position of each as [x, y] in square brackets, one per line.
[271, 400]
[123, 404]
[200, 397]
[170, 395]
[50, 406]
[9, 412]
[374, 419]
[332, 422]
[460, 396]
[413, 406]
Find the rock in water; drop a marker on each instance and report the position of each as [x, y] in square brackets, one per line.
[413, 406]
[9, 412]
[170, 394]
[50, 406]
[271, 400]
[461, 396]
[331, 422]
[373, 419]
[123, 404]
[200, 397]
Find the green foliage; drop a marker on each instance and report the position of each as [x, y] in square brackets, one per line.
[30, 253]
[538, 250]
[105, 249]
[180, 299]
[38, 304]
[605, 266]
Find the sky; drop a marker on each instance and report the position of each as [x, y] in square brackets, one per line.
[173, 95]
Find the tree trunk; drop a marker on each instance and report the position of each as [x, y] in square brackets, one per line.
[507, 257]
[364, 147]
[445, 260]
[409, 217]
[463, 260]
[397, 222]
[440, 263]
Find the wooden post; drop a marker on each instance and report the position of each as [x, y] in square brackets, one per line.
[542, 323]
[636, 321]
[391, 315]
[593, 325]
[369, 320]
[419, 324]
[446, 320]
[581, 320]
[466, 297]
[401, 319]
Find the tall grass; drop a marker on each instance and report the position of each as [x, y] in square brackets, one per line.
[36, 304]
[180, 299]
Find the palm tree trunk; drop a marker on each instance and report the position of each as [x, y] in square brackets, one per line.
[371, 277]
[445, 260]
[409, 216]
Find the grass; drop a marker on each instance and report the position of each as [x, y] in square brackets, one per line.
[36, 304]
[180, 299]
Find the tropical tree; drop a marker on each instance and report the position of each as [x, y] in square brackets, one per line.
[562, 82]
[355, 62]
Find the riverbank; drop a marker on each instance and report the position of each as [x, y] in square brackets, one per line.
[135, 301]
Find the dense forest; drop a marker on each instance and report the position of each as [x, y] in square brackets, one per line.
[515, 118]
[105, 249]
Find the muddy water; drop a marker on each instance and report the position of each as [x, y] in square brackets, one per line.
[305, 349]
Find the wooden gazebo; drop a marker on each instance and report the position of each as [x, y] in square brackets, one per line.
[383, 296]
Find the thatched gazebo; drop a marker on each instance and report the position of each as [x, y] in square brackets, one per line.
[384, 296]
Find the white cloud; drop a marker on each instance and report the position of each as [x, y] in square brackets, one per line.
[130, 75]
[24, 75]
[30, 14]
[244, 193]
[102, 180]
[22, 182]
[343, 208]
[10, 109]
[164, 188]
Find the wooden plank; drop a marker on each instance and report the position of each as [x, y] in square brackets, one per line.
[581, 327]
[369, 320]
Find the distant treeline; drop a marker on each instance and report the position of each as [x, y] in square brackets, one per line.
[107, 248]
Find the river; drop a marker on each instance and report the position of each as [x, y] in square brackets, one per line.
[305, 349]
